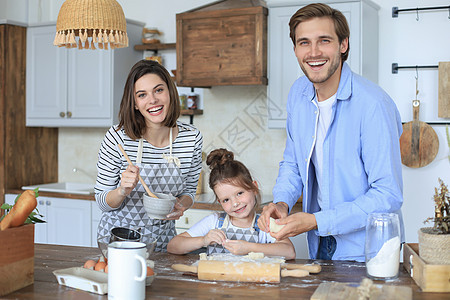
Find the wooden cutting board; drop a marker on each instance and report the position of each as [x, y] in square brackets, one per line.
[444, 90]
[419, 143]
[339, 290]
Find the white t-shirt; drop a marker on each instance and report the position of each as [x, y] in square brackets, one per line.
[325, 113]
[202, 228]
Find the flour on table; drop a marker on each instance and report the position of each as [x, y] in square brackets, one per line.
[255, 255]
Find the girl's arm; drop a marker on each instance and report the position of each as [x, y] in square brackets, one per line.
[184, 243]
[283, 248]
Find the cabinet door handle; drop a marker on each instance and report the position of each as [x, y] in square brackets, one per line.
[41, 202]
[62, 114]
[48, 202]
[69, 114]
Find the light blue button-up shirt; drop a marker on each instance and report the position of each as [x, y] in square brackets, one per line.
[361, 161]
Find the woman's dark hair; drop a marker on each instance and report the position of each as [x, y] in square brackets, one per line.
[225, 169]
[320, 10]
[130, 119]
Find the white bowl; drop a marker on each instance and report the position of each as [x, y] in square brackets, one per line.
[159, 208]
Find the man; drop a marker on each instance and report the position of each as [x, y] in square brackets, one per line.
[342, 149]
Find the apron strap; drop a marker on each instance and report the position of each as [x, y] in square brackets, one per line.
[224, 220]
[139, 152]
[170, 142]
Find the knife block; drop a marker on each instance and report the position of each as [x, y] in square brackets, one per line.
[16, 258]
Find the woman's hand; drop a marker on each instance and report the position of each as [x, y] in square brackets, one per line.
[127, 183]
[214, 236]
[129, 180]
[183, 203]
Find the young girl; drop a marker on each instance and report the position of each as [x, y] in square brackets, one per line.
[236, 229]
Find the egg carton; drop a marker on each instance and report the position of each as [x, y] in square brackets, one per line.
[90, 280]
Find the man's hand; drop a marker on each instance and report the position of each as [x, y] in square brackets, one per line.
[296, 224]
[276, 211]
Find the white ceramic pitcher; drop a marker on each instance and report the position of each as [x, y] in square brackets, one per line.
[127, 270]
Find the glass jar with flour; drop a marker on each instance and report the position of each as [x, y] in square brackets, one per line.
[382, 248]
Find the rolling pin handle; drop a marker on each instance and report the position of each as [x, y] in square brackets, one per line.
[294, 273]
[184, 268]
[312, 268]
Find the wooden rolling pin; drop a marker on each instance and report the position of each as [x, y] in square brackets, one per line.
[240, 271]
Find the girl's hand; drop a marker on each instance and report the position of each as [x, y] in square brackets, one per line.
[214, 236]
[129, 180]
[237, 247]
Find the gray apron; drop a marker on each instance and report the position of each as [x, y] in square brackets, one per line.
[246, 234]
[161, 178]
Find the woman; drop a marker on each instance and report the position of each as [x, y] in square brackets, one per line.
[165, 152]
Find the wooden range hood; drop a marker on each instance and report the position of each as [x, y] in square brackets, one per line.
[223, 43]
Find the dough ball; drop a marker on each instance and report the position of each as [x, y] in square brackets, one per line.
[255, 255]
[274, 227]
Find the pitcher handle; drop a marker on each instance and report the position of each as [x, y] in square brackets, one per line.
[144, 268]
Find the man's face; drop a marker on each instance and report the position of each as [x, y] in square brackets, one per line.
[318, 50]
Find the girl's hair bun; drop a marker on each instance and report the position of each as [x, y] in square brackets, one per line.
[219, 157]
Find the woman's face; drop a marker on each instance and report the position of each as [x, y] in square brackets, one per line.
[152, 99]
[236, 201]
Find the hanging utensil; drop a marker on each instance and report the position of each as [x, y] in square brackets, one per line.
[419, 143]
[140, 178]
[444, 90]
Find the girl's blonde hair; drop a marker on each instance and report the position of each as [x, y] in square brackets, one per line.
[225, 169]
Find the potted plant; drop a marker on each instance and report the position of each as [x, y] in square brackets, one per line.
[434, 242]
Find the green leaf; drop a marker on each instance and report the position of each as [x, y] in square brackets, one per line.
[33, 219]
[6, 206]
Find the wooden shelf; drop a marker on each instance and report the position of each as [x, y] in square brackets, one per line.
[155, 47]
[191, 112]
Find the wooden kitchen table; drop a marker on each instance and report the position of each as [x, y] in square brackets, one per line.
[176, 285]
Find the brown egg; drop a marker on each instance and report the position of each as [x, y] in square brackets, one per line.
[150, 271]
[100, 266]
[89, 264]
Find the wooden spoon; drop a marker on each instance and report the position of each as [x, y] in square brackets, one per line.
[140, 178]
[419, 143]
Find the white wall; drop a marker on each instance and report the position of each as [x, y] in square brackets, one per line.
[229, 109]
[409, 42]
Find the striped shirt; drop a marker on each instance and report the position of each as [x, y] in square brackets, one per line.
[111, 163]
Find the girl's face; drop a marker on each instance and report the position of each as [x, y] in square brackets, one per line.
[152, 98]
[236, 201]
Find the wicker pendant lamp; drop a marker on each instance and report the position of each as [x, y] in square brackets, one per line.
[83, 23]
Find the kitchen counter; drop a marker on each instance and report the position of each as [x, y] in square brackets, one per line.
[202, 201]
[176, 285]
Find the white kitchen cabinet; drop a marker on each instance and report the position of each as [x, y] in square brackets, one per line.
[68, 221]
[75, 88]
[189, 218]
[96, 214]
[283, 68]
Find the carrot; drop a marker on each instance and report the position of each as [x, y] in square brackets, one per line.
[19, 213]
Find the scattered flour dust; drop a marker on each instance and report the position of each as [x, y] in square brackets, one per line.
[386, 262]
